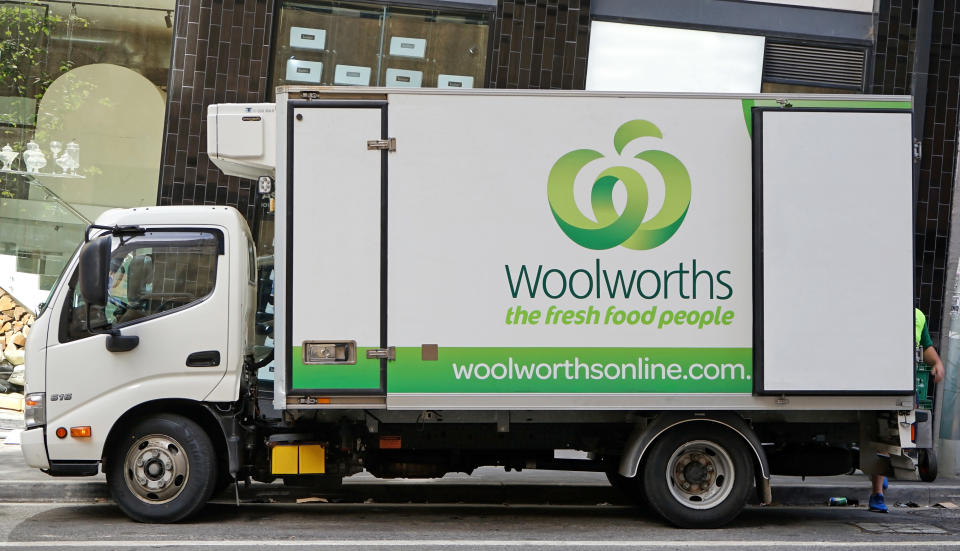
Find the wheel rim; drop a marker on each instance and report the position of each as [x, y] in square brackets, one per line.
[700, 474]
[156, 469]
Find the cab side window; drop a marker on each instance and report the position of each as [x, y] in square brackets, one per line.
[150, 275]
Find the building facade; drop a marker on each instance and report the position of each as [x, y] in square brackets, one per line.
[129, 87]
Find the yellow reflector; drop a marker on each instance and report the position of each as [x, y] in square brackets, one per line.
[294, 459]
[61, 432]
[284, 460]
[312, 459]
[80, 432]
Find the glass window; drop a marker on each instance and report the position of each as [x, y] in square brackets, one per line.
[361, 44]
[149, 275]
[627, 57]
[83, 92]
[82, 102]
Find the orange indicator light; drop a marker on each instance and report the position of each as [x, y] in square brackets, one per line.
[80, 432]
[61, 432]
[390, 443]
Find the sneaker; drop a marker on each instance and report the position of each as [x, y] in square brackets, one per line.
[877, 505]
[886, 483]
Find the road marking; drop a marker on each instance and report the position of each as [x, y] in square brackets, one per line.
[698, 544]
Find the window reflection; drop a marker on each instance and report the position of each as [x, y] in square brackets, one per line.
[86, 83]
[82, 102]
[359, 44]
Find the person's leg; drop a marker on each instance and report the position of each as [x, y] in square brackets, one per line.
[877, 504]
[871, 462]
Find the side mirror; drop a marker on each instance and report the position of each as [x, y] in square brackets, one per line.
[94, 270]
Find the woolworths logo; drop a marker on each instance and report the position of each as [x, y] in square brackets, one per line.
[627, 228]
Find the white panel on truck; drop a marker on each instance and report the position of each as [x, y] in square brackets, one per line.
[604, 253]
[335, 259]
[837, 267]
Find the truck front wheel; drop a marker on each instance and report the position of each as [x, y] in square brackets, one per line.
[163, 469]
[698, 478]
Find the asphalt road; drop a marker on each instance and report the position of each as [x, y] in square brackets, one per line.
[469, 526]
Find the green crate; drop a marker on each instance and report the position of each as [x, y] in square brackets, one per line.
[922, 374]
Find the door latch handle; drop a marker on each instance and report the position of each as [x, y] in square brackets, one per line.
[207, 358]
[389, 353]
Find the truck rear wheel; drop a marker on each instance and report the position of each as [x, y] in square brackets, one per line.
[162, 470]
[698, 478]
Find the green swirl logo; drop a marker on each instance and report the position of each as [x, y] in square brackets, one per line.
[627, 228]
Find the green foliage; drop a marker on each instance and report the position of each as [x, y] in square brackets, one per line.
[25, 30]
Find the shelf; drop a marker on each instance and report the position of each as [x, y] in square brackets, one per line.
[44, 174]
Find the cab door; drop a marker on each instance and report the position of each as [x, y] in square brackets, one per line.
[169, 288]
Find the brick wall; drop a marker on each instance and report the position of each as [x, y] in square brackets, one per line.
[540, 44]
[221, 52]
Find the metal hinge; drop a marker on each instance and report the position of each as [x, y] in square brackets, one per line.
[389, 144]
[389, 354]
[917, 150]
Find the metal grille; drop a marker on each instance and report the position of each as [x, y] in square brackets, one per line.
[814, 65]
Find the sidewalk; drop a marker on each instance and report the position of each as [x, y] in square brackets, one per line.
[19, 483]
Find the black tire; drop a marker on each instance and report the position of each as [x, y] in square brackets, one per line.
[927, 464]
[713, 462]
[162, 469]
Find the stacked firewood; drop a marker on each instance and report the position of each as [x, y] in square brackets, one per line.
[15, 322]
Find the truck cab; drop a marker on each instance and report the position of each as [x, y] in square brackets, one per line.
[156, 339]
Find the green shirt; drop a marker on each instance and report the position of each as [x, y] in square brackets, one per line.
[925, 340]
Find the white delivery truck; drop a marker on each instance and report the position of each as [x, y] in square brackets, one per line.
[697, 291]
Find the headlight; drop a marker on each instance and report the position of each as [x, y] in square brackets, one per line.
[35, 413]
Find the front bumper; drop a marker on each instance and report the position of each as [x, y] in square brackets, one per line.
[34, 449]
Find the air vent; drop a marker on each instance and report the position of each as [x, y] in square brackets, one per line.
[813, 65]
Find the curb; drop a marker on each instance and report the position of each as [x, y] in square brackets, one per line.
[53, 492]
[74, 491]
[921, 494]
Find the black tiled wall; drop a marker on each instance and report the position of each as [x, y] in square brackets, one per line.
[221, 50]
[896, 43]
[540, 44]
